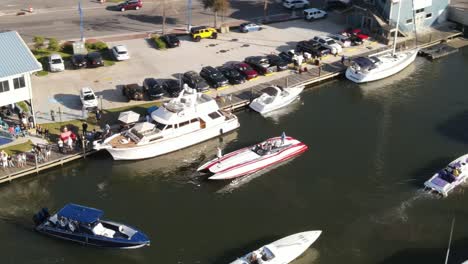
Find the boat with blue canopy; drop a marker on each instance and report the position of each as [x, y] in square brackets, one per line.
[84, 225]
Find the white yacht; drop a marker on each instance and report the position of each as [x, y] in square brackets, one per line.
[382, 65]
[184, 121]
[275, 97]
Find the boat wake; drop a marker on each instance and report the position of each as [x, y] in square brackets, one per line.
[279, 114]
[400, 212]
[241, 181]
[309, 256]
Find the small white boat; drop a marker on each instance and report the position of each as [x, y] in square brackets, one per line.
[282, 251]
[274, 98]
[254, 158]
[450, 177]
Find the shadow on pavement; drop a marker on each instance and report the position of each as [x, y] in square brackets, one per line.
[71, 101]
[152, 19]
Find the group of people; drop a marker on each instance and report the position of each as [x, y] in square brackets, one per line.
[20, 160]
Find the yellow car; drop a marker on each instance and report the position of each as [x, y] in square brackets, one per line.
[199, 33]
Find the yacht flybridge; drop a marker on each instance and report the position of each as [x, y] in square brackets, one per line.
[186, 120]
[382, 65]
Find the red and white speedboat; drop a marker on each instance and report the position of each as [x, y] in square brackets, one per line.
[254, 158]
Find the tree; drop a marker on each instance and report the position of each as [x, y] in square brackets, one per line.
[216, 6]
[38, 42]
[53, 44]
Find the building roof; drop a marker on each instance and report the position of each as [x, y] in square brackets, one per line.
[82, 214]
[15, 56]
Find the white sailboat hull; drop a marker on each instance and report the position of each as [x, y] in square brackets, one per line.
[277, 101]
[284, 250]
[385, 70]
[168, 145]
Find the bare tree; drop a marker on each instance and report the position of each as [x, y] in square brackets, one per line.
[216, 6]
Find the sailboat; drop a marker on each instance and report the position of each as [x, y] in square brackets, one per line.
[381, 65]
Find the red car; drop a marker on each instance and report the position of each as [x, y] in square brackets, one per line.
[130, 4]
[356, 32]
[245, 70]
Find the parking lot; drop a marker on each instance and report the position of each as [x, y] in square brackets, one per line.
[61, 90]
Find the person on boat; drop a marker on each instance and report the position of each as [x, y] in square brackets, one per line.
[283, 138]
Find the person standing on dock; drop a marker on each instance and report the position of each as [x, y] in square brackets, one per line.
[85, 127]
[98, 115]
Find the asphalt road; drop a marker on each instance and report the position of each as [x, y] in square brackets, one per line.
[60, 19]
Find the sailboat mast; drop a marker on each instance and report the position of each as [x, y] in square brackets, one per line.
[396, 27]
[450, 241]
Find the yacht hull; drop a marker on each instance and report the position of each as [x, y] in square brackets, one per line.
[171, 144]
[388, 70]
[438, 184]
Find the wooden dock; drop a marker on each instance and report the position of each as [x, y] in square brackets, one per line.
[34, 165]
[437, 51]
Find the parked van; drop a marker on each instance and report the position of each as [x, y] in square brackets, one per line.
[314, 13]
[293, 4]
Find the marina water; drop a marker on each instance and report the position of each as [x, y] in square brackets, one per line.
[371, 147]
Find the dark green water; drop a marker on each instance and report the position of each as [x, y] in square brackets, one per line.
[371, 147]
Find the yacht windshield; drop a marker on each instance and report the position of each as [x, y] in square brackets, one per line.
[160, 126]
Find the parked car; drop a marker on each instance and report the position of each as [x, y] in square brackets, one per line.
[94, 59]
[342, 40]
[313, 48]
[277, 61]
[260, 64]
[234, 76]
[78, 61]
[195, 81]
[337, 4]
[213, 77]
[172, 87]
[245, 70]
[198, 33]
[153, 88]
[355, 32]
[329, 43]
[290, 55]
[56, 63]
[133, 92]
[130, 4]
[88, 98]
[293, 4]
[355, 40]
[314, 13]
[171, 41]
[249, 27]
[120, 52]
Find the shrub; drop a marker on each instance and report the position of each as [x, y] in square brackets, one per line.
[100, 46]
[67, 48]
[53, 44]
[160, 44]
[38, 41]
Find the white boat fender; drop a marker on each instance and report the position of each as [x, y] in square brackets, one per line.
[219, 154]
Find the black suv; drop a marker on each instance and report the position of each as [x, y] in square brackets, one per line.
[213, 77]
[260, 64]
[312, 47]
[234, 76]
[277, 61]
[171, 41]
[78, 61]
[153, 88]
[195, 81]
[172, 87]
[94, 59]
[133, 92]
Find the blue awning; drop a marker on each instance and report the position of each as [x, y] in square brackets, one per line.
[82, 214]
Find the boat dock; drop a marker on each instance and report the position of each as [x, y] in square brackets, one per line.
[437, 51]
[34, 164]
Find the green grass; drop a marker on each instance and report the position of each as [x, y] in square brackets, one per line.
[42, 73]
[19, 148]
[108, 63]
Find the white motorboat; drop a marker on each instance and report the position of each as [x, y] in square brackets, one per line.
[282, 251]
[184, 121]
[254, 158]
[274, 98]
[383, 65]
[450, 177]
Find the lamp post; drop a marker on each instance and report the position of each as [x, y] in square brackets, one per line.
[189, 15]
[80, 11]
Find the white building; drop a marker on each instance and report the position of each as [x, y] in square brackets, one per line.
[17, 63]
